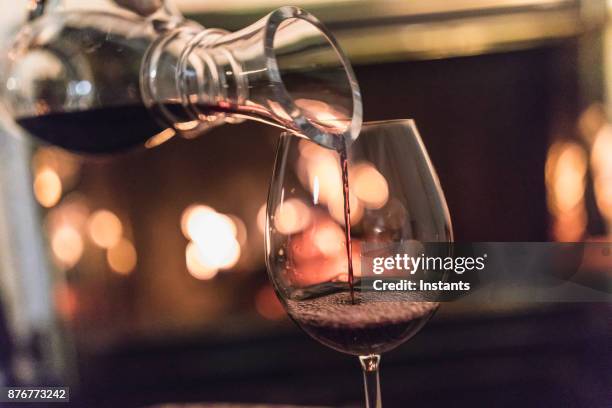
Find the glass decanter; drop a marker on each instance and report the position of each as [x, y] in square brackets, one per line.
[108, 75]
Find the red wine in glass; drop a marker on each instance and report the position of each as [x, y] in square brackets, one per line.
[368, 323]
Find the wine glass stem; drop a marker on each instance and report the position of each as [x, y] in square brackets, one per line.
[369, 365]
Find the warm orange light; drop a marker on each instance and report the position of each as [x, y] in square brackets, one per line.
[308, 149]
[122, 257]
[602, 149]
[603, 195]
[240, 229]
[47, 187]
[268, 305]
[189, 214]
[570, 184]
[75, 209]
[73, 212]
[566, 167]
[319, 170]
[105, 228]
[64, 164]
[200, 222]
[570, 226]
[216, 236]
[184, 126]
[602, 172]
[196, 266]
[219, 254]
[324, 172]
[291, 216]
[67, 246]
[336, 208]
[319, 254]
[369, 185]
[565, 176]
[329, 239]
[160, 138]
[66, 301]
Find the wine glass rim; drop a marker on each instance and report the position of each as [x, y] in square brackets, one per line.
[407, 122]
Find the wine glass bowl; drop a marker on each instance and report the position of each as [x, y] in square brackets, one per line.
[394, 197]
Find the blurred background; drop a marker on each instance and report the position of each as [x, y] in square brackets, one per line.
[101, 286]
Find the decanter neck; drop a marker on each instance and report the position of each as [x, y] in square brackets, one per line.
[285, 70]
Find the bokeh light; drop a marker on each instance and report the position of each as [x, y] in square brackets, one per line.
[47, 187]
[241, 229]
[64, 164]
[105, 228]
[196, 266]
[565, 171]
[291, 216]
[369, 185]
[336, 209]
[73, 210]
[67, 246]
[602, 148]
[219, 254]
[602, 171]
[329, 239]
[188, 215]
[122, 257]
[196, 219]
[216, 240]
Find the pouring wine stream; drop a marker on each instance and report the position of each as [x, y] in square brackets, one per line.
[347, 216]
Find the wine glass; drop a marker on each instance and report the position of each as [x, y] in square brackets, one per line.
[394, 197]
